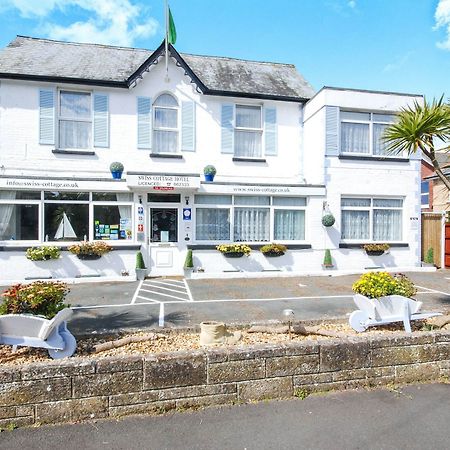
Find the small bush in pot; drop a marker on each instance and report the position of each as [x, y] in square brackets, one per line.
[210, 172]
[141, 269]
[43, 298]
[429, 257]
[43, 253]
[116, 169]
[327, 260]
[273, 249]
[189, 262]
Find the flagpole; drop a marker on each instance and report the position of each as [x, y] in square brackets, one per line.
[167, 40]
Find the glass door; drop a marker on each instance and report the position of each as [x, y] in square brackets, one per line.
[163, 225]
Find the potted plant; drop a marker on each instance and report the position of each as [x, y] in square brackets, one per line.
[328, 220]
[272, 250]
[188, 264]
[327, 260]
[375, 249]
[43, 253]
[234, 250]
[116, 169]
[209, 172]
[90, 250]
[429, 258]
[141, 269]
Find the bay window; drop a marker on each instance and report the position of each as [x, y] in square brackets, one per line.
[362, 132]
[75, 120]
[248, 132]
[371, 219]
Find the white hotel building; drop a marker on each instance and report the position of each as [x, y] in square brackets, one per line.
[284, 155]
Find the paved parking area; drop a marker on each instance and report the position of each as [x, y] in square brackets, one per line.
[177, 302]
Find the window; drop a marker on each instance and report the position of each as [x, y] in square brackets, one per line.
[164, 225]
[425, 194]
[248, 131]
[66, 216]
[371, 219]
[75, 120]
[165, 124]
[254, 218]
[361, 133]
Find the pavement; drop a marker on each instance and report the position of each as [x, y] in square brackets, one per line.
[176, 302]
[414, 417]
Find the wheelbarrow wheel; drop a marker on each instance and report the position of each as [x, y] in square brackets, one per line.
[358, 320]
[69, 348]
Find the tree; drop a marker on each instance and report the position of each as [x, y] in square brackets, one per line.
[419, 127]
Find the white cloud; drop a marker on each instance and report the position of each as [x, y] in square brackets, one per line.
[442, 17]
[391, 67]
[117, 22]
[351, 4]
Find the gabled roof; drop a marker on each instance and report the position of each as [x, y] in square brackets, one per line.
[29, 58]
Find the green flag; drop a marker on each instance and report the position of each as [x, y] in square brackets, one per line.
[171, 32]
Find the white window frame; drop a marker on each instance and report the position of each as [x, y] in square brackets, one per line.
[155, 128]
[272, 208]
[59, 118]
[371, 208]
[256, 130]
[369, 122]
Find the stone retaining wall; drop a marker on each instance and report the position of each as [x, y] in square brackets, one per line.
[79, 389]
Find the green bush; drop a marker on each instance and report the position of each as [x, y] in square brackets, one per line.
[209, 170]
[43, 298]
[380, 284]
[327, 261]
[328, 220]
[429, 257]
[189, 262]
[43, 253]
[140, 264]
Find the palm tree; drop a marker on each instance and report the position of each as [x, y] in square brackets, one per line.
[418, 127]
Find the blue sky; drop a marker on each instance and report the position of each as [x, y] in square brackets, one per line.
[393, 45]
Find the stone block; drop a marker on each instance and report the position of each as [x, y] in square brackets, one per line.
[134, 399]
[444, 350]
[265, 389]
[57, 369]
[442, 336]
[316, 378]
[402, 338]
[72, 410]
[417, 372]
[236, 371]
[37, 391]
[142, 408]
[7, 411]
[301, 348]
[16, 422]
[256, 352]
[356, 374]
[24, 411]
[7, 375]
[119, 364]
[209, 400]
[197, 391]
[107, 384]
[292, 365]
[216, 355]
[344, 355]
[410, 354]
[172, 371]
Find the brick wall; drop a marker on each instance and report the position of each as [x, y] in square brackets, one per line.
[80, 389]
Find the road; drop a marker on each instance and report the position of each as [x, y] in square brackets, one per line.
[414, 417]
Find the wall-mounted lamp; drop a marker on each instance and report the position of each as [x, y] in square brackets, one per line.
[140, 199]
[186, 200]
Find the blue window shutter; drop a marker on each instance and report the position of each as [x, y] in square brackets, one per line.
[227, 125]
[270, 131]
[332, 131]
[47, 117]
[101, 120]
[144, 122]
[188, 126]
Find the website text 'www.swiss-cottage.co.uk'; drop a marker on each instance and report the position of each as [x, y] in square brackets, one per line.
[41, 184]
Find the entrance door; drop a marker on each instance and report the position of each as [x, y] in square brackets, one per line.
[164, 237]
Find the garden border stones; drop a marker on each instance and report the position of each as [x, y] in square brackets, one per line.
[82, 389]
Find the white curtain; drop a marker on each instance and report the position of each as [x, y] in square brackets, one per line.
[124, 210]
[247, 144]
[379, 147]
[75, 126]
[73, 134]
[354, 137]
[289, 225]
[355, 225]
[165, 141]
[212, 224]
[7, 219]
[387, 225]
[251, 224]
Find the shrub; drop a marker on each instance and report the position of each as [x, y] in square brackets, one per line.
[209, 170]
[90, 248]
[44, 298]
[429, 257]
[274, 249]
[140, 264]
[380, 284]
[189, 263]
[328, 220]
[116, 166]
[43, 253]
[327, 261]
[234, 248]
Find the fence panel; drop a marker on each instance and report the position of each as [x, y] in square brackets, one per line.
[432, 236]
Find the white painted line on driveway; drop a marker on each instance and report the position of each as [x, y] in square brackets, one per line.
[166, 289]
[161, 315]
[433, 290]
[164, 295]
[176, 283]
[188, 291]
[133, 300]
[148, 300]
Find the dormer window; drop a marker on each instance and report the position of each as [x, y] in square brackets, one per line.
[165, 124]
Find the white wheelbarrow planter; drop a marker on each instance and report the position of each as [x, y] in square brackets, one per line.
[26, 330]
[384, 310]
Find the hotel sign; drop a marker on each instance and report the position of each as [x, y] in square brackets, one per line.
[163, 182]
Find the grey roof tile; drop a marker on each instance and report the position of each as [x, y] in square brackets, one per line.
[46, 58]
